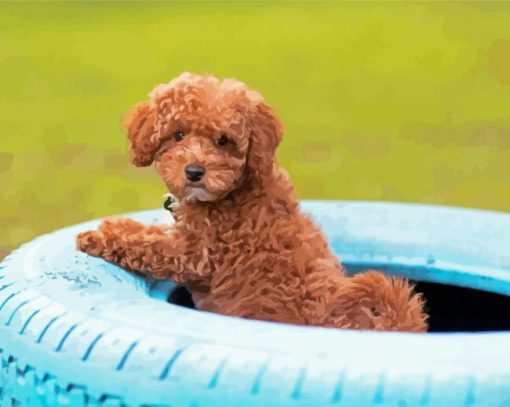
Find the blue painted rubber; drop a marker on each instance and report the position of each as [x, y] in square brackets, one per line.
[77, 331]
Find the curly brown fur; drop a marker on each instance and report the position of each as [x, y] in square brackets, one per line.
[240, 243]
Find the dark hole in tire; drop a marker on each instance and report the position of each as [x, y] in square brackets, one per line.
[181, 296]
[454, 309]
[451, 308]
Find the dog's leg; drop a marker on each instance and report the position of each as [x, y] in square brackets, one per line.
[257, 297]
[153, 250]
[373, 300]
[264, 309]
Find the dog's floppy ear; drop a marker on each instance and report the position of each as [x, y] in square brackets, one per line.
[138, 123]
[266, 134]
[270, 125]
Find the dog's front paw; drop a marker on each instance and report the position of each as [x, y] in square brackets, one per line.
[90, 242]
[117, 226]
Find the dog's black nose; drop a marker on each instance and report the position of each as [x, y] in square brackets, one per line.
[194, 172]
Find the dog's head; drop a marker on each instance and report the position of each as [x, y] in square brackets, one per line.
[206, 136]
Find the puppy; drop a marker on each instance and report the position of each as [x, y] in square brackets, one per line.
[240, 243]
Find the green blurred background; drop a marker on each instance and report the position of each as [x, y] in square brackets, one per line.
[382, 101]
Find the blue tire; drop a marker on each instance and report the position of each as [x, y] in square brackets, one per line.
[76, 331]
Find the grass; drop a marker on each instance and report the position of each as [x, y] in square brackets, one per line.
[392, 101]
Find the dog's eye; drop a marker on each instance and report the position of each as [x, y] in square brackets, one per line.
[178, 135]
[223, 140]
